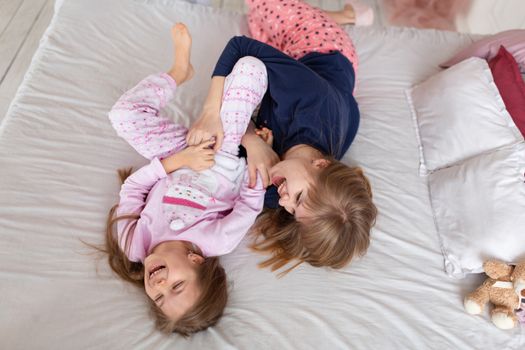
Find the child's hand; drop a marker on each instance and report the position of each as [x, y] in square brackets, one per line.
[261, 158]
[209, 124]
[266, 135]
[198, 157]
[207, 127]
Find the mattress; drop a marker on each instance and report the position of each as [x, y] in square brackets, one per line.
[58, 161]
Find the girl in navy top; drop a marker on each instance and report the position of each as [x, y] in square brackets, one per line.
[320, 210]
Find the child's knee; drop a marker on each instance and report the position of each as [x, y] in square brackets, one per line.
[253, 69]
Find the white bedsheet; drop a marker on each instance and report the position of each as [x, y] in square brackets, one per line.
[59, 154]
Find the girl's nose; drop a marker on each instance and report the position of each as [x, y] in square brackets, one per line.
[160, 281]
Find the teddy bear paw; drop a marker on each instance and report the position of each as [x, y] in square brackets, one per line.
[519, 286]
[472, 307]
[503, 321]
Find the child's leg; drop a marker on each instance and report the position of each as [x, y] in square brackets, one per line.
[297, 28]
[244, 89]
[137, 116]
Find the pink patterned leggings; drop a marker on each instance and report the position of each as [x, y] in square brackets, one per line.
[139, 119]
[297, 29]
[244, 89]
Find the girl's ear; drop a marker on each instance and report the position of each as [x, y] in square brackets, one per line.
[195, 258]
[321, 163]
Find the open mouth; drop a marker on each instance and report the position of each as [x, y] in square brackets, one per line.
[156, 270]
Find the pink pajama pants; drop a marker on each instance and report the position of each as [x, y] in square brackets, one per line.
[297, 29]
[138, 117]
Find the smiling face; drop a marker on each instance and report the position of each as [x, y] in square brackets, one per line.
[171, 278]
[293, 177]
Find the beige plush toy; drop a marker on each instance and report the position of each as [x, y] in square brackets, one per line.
[504, 287]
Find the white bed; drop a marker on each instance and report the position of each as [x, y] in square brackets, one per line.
[59, 154]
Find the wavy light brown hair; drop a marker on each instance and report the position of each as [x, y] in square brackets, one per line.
[341, 215]
[212, 279]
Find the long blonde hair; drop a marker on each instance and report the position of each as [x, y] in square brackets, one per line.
[341, 215]
[212, 278]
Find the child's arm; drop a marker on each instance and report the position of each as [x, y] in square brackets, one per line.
[198, 158]
[209, 124]
[260, 155]
[284, 72]
[138, 118]
[133, 194]
[135, 189]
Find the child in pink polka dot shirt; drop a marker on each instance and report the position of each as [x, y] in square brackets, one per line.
[190, 204]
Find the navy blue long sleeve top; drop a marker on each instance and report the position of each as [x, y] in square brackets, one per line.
[309, 101]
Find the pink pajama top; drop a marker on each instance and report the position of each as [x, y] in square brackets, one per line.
[212, 209]
[208, 208]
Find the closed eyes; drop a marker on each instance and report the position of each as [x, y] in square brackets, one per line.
[297, 202]
[175, 287]
[298, 197]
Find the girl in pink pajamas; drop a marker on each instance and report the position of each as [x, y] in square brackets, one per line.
[190, 204]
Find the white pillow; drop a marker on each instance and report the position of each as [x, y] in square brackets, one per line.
[458, 113]
[479, 209]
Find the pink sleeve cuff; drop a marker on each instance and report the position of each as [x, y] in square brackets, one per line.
[158, 168]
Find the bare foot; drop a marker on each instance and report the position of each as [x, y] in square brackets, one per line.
[181, 70]
[344, 16]
[355, 12]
